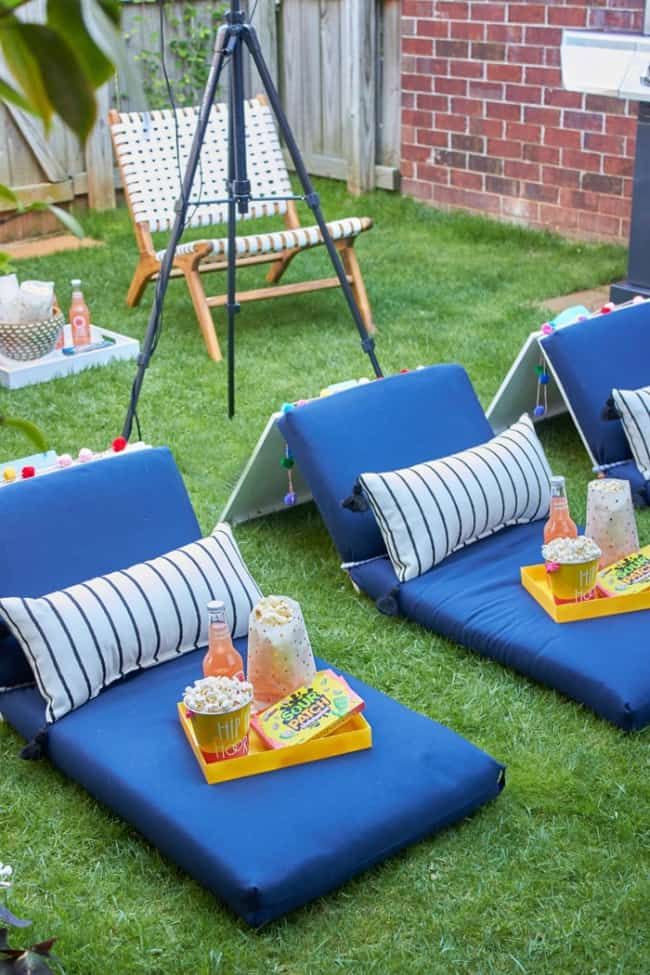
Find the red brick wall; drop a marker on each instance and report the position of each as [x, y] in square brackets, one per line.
[487, 125]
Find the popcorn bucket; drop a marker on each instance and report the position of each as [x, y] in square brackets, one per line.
[222, 736]
[571, 582]
[280, 657]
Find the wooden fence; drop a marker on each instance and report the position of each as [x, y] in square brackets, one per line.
[335, 63]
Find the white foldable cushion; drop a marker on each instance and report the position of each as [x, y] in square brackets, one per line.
[428, 511]
[633, 406]
[81, 639]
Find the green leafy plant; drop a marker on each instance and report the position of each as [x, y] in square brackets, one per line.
[29, 429]
[56, 67]
[34, 960]
[188, 46]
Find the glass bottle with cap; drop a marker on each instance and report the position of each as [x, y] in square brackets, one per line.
[222, 659]
[79, 315]
[559, 524]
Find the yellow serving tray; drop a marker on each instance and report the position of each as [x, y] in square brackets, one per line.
[353, 736]
[534, 580]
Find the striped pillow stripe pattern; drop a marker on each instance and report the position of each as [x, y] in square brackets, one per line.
[428, 511]
[81, 639]
[633, 406]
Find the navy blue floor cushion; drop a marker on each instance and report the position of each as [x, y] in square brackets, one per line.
[474, 597]
[267, 844]
[590, 359]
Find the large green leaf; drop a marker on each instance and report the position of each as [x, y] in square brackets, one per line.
[70, 92]
[7, 6]
[9, 94]
[69, 222]
[8, 196]
[63, 216]
[66, 18]
[103, 27]
[23, 64]
[29, 429]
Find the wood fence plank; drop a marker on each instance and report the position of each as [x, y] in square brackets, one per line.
[293, 68]
[311, 80]
[99, 158]
[332, 106]
[265, 24]
[390, 93]
[358, 71]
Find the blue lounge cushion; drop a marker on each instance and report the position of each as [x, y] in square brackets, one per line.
[62, 528]
[475, 598]
[595, 356]
[323, 823]
[270, 843]
[388, 424]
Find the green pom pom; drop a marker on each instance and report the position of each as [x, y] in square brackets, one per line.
[539, 370]
[287, 462]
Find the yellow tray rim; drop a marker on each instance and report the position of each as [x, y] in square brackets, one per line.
[533, 579]
[353, 736]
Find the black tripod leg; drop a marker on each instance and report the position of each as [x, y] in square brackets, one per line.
[221, 51]
[311, 197]
[232, 305]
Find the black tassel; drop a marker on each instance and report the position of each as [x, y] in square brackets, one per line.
[35, 749]
[357, 500]
[610, 411]
[388, 604]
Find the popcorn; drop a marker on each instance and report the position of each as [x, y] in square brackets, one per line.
[571, 550]
[217, 695]
[273, 610]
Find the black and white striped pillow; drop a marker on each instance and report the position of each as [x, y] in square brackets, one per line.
[428, 511]
[81, 639]
[633, 406]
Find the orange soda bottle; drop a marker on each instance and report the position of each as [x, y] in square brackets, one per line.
[559, 524]
[79, 315]
[221, 660]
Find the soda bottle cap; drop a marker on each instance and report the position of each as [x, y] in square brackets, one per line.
[557, 480]
[216, 606]
[76, 283]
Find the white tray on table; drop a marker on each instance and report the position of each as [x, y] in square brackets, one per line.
[15, 374]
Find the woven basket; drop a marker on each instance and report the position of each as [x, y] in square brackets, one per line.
[30, 340]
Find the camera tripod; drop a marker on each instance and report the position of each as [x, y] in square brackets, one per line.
[233, 38]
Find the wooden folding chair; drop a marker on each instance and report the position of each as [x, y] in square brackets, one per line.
[152, 150]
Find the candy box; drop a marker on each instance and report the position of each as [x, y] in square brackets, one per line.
[308, 712]
[629, 575]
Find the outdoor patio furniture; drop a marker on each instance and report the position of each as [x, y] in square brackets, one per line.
[152, 149]
[590, 359]
[294, 834]
[474, 597]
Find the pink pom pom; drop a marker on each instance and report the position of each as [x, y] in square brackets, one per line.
[547, 329]
[638, 300]
[85, 454]
[65, 460]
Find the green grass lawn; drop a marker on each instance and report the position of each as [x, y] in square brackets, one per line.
[551, 878]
